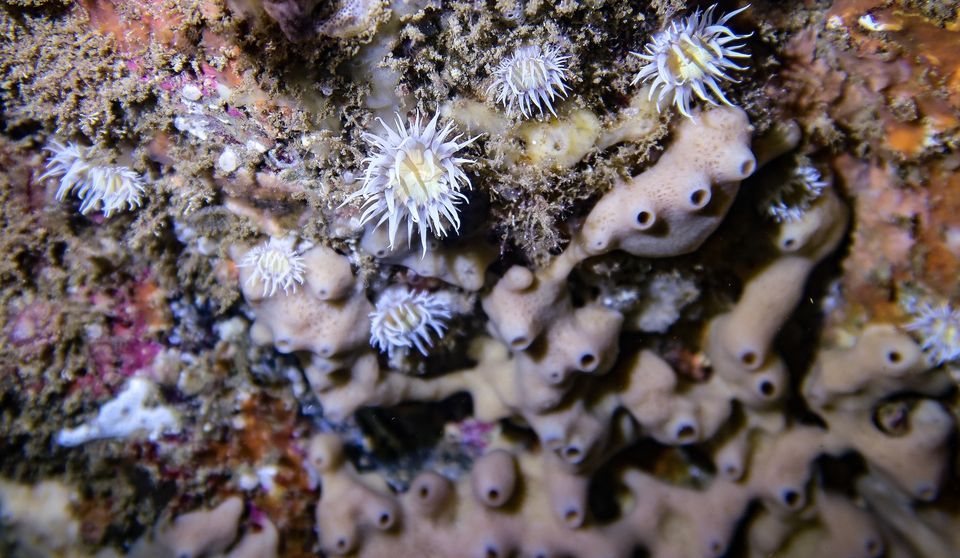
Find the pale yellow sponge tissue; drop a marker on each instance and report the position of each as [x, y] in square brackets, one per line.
[209, 533]
[362, 509]
[463, 265]
[852, 388]
[883, 361]
[837, 528]
[638, 122]
[584, 340]
[739, 341]
[500, 510]
[203, 532]
[672, 207]
[668, 210]
[327, 317]
[39, 519]
[523, 302]
[262, 543]
[522, 504]
[560, 143]
[667, 411]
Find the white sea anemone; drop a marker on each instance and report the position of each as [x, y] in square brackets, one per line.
[938, 327]
[276, 264]
[99, 186]
[792, 198]
[404, 319]
[530, 77]
[414, 176]
[689, 57]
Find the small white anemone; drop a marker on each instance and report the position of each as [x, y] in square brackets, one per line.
[792, 198]
[106, 187]
[414, 177]
[531, 77]
[276, 264]
[688, 58]
[938, 327]
[404, 319]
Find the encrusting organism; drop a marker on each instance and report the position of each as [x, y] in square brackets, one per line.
[938, 327]
[106, 187]
[414, 176]
[787, 202]
[531, 76]
[276, 264]
[689, 55]
[404, 318]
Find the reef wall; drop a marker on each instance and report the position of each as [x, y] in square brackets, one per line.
[480, 279]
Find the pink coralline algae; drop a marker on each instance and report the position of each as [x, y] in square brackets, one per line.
[127, 345]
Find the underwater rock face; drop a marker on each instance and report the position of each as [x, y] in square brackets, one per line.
[666, 278]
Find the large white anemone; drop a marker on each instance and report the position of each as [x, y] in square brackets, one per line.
[793, 196]
[414, 177]
[404, 319]
[938, 327]
[276, 264]
[691, 58]
[531, 77]
[108, 188]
